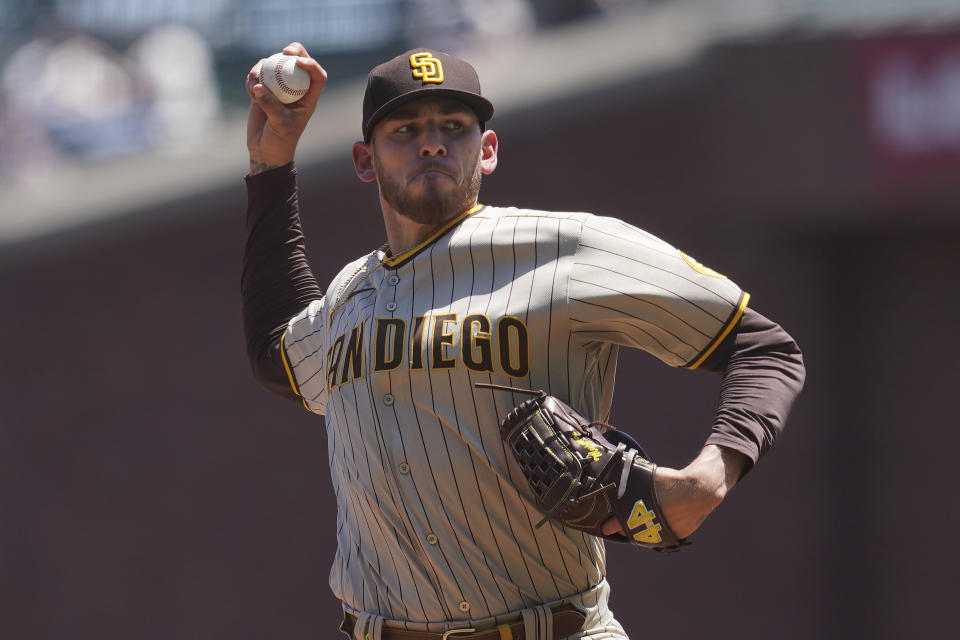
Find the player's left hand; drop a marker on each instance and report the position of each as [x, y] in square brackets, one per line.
[689, 495]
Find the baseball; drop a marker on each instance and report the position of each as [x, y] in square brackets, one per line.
[284, 78]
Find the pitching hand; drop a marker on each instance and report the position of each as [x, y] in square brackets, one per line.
[274, 128]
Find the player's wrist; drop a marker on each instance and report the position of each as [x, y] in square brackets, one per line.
[259, 163]
[687, 496]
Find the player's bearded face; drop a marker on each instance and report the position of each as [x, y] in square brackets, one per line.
[426, 156]
[429, 198]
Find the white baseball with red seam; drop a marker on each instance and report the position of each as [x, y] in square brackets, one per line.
[284, 78]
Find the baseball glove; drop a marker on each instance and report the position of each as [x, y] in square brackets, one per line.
[582, 473]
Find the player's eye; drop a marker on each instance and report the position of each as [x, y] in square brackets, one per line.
[453, 125]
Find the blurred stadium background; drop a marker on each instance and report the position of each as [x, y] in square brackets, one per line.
[809, 149]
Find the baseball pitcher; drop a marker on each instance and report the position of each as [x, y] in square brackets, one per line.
[465, 370]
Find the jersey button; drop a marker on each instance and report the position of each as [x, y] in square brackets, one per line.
[388, 399]
[394, 279]
[464, 606]
[432, 538]
[391, 306]
[403, 468]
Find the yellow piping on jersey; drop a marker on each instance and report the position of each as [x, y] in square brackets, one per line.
[286, 367]
[393, 261]
[723, 334]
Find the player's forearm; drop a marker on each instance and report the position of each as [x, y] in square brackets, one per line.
[276, 282]
[763, 372]
[713, 473]
[691, 494]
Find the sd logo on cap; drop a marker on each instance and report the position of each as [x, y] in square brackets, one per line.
[426, 67]
[417, 74]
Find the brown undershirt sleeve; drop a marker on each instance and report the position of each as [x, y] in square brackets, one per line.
[276, 283]
[763, 373]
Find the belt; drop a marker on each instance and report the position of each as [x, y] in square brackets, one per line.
[566, 621]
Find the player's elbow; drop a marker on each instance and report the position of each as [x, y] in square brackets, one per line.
[266, 362]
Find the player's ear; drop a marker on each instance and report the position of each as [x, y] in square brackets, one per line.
[488, 152]
[363, 161]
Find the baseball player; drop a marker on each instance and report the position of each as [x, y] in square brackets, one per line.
[437, 531]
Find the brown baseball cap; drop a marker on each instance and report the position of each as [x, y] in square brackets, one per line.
[416, 74]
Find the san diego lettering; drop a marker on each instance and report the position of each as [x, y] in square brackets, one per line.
[440, 341]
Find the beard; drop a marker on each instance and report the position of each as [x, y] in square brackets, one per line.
[432, 206]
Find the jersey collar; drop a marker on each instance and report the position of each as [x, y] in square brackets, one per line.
[396, 261]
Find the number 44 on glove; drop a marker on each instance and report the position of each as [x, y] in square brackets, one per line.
[582, 473]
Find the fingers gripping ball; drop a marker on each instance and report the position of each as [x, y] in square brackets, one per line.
[582, 473]
[280, 74]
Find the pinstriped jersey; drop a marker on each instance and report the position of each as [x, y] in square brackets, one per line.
[435, 522]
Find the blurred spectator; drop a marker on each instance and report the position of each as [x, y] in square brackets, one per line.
[78, 98]
[26, 153]
[79, 92]
[174, 64]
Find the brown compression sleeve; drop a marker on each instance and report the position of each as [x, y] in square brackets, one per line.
[763, 373]
[276, 282]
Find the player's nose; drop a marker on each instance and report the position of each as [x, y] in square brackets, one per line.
[431, 144]
[428, 150]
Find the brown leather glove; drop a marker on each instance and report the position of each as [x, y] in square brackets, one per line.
[582, 473]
